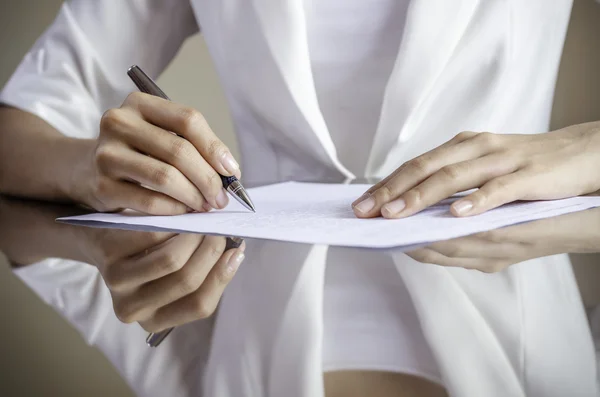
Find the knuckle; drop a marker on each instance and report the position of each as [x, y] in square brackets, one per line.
[212, 183]
[217, 247]
[180, 149]
[419, 165]
[102, 187]
[498, 184]
[452, 172]
[104, 156]
[125, 311]
[153, 238]
[162, 176]
[112, 278]
[111, 120]
[493, 267]
[215, 148]
[385, 193]
[488, 140]
[169, 262]
[186, 282]
[413, 197]
[464, 135]
[455, 252]
[134, 98]
[149, 203]
[190, 119]
[203, 308]
[427, 257]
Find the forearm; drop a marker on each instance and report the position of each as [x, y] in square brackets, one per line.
[29, 232]
[37, 161]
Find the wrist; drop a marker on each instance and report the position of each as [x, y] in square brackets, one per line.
[76, 183]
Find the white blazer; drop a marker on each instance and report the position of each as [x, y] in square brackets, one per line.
[462, 65]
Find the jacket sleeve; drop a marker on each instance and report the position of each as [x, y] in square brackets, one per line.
[77, 69]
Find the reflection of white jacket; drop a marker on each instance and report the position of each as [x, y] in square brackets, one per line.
[463, 65]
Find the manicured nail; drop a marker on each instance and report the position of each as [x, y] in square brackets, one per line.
[462, 207]
[229, 163]
[393, 207]
[235, 261]
[222, 199]
[365, 205]
[361, 198]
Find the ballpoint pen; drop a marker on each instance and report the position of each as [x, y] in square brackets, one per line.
[145, 84]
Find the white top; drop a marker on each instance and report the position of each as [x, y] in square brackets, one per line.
[353, 45]
[369, 321]
[461, 65]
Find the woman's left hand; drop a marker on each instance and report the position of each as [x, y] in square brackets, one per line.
[505, 168]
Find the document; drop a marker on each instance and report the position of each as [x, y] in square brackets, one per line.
[316, 213]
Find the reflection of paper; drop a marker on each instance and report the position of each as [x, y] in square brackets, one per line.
[321, 214]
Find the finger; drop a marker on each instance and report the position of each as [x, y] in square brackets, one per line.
[121, 194]
[448, 181]
[190, 124]
[183, 282]
[152, 263]
[457, 139]
[478, 247]
[498, 191]
[417, 170]
[203, 302]
[179, 153]
[127, 164]
[486, 265]
[110, 246]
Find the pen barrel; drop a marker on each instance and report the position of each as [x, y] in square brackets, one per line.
[229, 180]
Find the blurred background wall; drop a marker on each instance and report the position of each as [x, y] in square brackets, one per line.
[41, 355]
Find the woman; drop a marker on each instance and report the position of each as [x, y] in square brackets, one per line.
[318, 90]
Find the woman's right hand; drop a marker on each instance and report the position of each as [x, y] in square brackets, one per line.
[141, 163]
[160, 280]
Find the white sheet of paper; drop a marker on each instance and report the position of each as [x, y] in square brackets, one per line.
[321, 214]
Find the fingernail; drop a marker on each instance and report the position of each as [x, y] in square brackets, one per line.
[222, 199]
[365, 205]
[229, 163]
[243, 246]
[361, 198]
[393, 207]
[206, 207]
[235, 261]
[462, 207]
[189, 209]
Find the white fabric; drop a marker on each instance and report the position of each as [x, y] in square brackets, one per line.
[353, 45]
[369, 321]
[461, 65]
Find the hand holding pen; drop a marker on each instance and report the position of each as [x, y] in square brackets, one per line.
[160, 280]
[160, 158]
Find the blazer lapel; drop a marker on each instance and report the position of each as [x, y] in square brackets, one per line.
[272, 68]
[433, 30]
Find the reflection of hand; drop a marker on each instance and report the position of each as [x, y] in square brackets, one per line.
[505, 168]
[495, 250]
[139, 163]
[161, 280]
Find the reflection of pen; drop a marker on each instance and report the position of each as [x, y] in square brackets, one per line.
[155, 338]
[145, 84]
